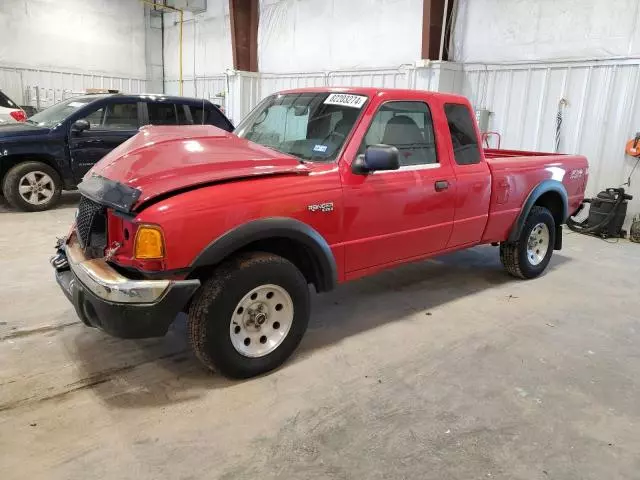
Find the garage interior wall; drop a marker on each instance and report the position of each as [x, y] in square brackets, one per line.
[44, 42]
[206, 51]
[521, 59]
[489, 31]
[304, 35]
[294, 36]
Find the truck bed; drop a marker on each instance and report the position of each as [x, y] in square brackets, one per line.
[514, 171]
[500, 153]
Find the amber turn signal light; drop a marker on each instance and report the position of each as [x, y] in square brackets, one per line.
[149, 243]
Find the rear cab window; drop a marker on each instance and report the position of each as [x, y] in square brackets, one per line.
[463, 134]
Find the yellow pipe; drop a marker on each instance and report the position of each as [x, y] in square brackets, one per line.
[172, 9]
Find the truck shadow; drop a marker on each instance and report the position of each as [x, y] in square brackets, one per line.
[401, 293]
[156, 372]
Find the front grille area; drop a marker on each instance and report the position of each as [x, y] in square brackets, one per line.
[91, 226]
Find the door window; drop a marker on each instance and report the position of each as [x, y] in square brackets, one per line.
[408, 127]
[463, 135]
[115, 116]
[121, 116]
[95, 118]
[162, 114]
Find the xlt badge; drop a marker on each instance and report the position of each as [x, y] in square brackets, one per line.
[321, 207]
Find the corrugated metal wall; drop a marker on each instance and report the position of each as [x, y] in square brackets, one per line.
[209, 87]
[247, 88]
[602, 111]
[43, 88]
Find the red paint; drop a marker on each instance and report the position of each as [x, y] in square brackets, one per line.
[163, 159]
[379, 220]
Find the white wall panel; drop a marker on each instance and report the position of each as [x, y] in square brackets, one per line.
[43, 88]
[51, 49]
[206, 43]
[271, 82]
[492, 31]
[390, 78]
[210, 88]
[11, 84]
[106, 36]
[304, 35]
[602, 113]
[247, 89]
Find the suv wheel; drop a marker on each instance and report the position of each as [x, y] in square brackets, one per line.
[32, 186]
[250, 316]
[530, 254]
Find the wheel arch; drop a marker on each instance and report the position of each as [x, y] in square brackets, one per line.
[289, 238]
[11, 161]
[552, 195]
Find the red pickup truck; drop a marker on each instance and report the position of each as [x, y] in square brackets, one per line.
[316, 187]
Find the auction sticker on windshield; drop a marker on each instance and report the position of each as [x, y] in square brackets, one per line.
[346, 99]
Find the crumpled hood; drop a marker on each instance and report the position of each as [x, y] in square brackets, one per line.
[161, 159]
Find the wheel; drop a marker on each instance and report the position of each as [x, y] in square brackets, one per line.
[32, 186]
[250, 316]
[530, 254]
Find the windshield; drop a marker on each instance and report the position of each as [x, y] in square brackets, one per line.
[59, 112]
[310, 125]
[6, 102]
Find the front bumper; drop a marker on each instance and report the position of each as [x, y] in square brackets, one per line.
[122, 307]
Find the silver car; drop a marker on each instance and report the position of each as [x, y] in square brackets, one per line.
[10, 112]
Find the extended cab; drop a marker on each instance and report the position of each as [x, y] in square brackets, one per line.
[319, 186]
[52, 150]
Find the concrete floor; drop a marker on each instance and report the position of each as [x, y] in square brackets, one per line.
[447, 369]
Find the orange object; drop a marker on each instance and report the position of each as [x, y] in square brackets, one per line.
[633, 147]
[149, 243]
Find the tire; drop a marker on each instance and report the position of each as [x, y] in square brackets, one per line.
[218, 314]
[524, 262]
[48, 180]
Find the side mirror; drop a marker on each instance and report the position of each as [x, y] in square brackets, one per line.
[80, 125]
[376, 157]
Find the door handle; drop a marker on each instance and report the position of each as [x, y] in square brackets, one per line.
[441, 185]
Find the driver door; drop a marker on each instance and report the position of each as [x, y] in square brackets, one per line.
[398, 215]
[110, 125]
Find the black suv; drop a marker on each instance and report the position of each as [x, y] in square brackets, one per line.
[53, 150]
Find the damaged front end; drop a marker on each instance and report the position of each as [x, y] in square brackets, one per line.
[101, 294]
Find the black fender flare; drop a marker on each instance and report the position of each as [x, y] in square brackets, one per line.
[543, 187]
[274, 227]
